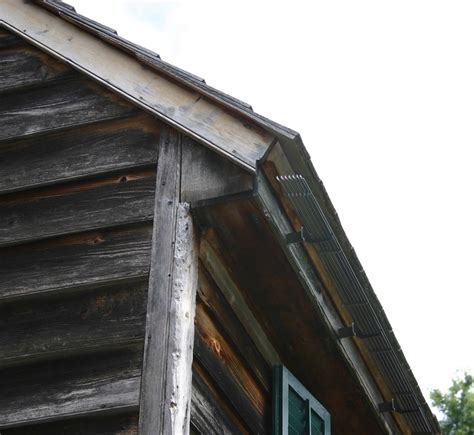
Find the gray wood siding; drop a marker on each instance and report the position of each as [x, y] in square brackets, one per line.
[78, 174]
[123, 144]
[77, 189]
[121, 424]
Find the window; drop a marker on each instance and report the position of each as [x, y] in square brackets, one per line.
[295, 410]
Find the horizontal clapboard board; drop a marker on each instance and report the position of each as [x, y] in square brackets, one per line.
[59, 106]
[68, 324]
[75, 261]
[75, 207]
[49, 391]
[78, 153]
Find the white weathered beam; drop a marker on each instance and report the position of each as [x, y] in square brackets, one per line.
[167, 373]
[209, 123]
[183, 308]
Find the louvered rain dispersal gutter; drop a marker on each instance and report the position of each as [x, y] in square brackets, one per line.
[369, 321]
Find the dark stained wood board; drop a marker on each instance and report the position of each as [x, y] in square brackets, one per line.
[278, 300]
[66, 388]
[92, 320]
[75, 261]
[229, 326]
[125, 198]
[79, 152]
[23, 66]
[8, 39]
[59, 106]
[211, 414]
[115, 424]
[228, 371]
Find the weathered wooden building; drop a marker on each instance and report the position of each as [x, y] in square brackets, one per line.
[169, 259]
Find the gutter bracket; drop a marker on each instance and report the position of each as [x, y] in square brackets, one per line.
[353, 331]
[387, 406]
[390, 406]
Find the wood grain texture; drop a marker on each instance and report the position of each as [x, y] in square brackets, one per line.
[70, 208]
[116, 424]
[215, 258]
[210, 412]
[231, 134]
[76, 261]
[229, 325]
[208, 175]
[56, 107]
[23, 66]
[228, 371]
[79, 152]
[154, 402]
[8, 39]
[166, 388]
[87, 321]
[279, 301]
[85, 385]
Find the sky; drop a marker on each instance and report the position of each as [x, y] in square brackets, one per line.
[382, 94]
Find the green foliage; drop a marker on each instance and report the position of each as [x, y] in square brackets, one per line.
[457, 406]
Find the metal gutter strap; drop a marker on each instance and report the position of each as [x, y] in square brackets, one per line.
[368, 322]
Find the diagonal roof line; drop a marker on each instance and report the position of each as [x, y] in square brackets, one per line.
[154, 60]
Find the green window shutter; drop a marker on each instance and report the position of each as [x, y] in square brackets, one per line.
[295, 410]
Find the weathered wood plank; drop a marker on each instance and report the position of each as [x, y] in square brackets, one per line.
[206, 174]
[123, 199]
[60, 106]
[231, 134]
[73, 387]
[8, 39]
[71, 324]
[116, 424]
[210, 413]
[77, 261]
[79, 152]
[25, 66]
[215, 302]
[227, 370]
[166, 388]
[215, 260]
[288, 317]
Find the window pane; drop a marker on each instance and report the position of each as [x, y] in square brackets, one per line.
[297, 417]
[317, 424]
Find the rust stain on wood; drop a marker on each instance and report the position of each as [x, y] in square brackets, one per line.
[223, 350]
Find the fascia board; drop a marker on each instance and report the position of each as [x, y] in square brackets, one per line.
[240, 140]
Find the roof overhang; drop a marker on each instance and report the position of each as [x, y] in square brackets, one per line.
[232, 129]
[143, 79]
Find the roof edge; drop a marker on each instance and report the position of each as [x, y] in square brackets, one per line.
[297, 161]
[211, 118]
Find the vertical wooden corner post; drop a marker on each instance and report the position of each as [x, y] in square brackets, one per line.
[165, 396]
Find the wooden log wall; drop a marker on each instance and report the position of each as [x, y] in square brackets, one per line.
[231, 377]
[77, 187]
[77, 193]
